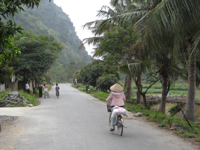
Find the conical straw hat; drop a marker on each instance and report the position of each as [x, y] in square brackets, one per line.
[116, 88]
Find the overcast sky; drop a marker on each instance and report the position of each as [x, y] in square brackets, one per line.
[81, 12]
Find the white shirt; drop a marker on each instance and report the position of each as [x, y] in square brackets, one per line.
[27, 86]
[45, 89]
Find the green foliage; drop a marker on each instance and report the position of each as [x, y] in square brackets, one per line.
[3, 94]
[37, 54]
[72, 69]
[58, 74]
[179, 131]
[77, 76]
[188, 135]
[9, 27]
[49, 19]
[104, 82]
[116, 45]
[175, 90]
[30, 98]
[81, 87]
[156, 116]
[153, 115]
[90, 73]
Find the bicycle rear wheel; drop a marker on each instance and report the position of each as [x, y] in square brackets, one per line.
[120, 127]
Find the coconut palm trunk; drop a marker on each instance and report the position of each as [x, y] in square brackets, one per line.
[190, 104]
[128, 86]
[139, 82]
[164, 93]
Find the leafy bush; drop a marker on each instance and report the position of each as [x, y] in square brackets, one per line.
[30, 98]
[106, 81]
[4, 93]
[90, 73]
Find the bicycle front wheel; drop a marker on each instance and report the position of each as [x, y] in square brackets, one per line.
[120, 127]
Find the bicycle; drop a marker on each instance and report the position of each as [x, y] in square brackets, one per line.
[46, 94]
[119, 123]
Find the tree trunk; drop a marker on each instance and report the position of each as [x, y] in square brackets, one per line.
[164, 93]
[128, 86]
[190, 104]
[145, 100]
[139, 80]
[34, 91]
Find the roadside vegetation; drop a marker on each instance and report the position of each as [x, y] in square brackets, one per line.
[153, 115]
[152, 43]
[30, 98]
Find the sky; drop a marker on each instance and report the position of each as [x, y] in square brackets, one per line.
[81, 12]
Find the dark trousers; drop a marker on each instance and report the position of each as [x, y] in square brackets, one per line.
[40, 93]
[28, 91]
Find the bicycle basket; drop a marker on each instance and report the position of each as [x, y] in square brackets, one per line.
[108, 107]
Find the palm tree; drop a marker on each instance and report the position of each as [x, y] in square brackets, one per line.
[154, 19]
[177, 18]
[100, 27]
[117, 48]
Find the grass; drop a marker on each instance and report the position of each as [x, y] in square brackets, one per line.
[100, 95]
[30, 98]
[153, 115]
[163, 120]
[4, 93]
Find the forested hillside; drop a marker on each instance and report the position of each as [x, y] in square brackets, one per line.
[48, 18]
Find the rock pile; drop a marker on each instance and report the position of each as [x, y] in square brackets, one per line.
[13, 98]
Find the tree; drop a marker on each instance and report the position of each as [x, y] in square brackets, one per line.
[91, 72]
[110, 25]
[10, 52]
[73, 67]
[116, 48]
[8, 28]
[104, 82]
[178, 18]
[37, 55]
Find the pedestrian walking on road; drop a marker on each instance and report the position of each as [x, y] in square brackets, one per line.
[57, 90]
[75, 82]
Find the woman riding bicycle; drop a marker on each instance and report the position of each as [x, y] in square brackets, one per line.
[117, 96]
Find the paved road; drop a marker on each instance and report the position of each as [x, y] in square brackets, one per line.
[77, 121]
